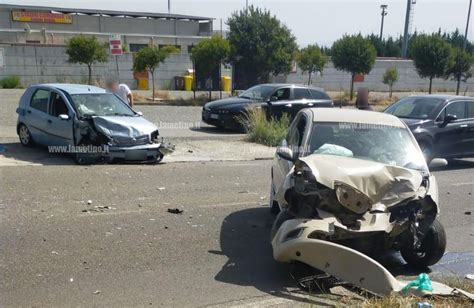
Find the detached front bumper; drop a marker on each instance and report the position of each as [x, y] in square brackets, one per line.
[292, 242]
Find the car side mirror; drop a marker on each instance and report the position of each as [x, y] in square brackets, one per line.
[63, 117]
[285, 153]
[438, 163]
[273, 99]
[140, 113]
[450, 118]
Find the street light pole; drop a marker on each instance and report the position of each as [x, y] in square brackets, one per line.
[405, 32]
[467, 24]
[384, 13]
[169, 6]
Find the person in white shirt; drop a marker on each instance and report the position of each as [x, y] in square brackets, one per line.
[120, 89]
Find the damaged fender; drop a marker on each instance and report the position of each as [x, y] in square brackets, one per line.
[292, 243]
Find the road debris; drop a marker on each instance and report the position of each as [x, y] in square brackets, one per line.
[175, 211]
[96, 292]
[161, 188]
[89, 202]
[55, 253]
[468, 213]
[470, 276]
[99, 209]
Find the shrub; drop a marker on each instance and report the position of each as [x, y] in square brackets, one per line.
[10, 82]
[265, 131]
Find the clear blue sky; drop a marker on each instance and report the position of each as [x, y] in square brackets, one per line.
[312, 21]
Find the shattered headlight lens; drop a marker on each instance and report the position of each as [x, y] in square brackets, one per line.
[351, 198]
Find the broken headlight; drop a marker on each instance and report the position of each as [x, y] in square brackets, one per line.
[304, 179]
[351, 198]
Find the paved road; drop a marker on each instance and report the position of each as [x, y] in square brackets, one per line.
[57, 249]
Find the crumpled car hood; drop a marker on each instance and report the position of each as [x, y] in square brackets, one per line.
[381, 183]
[128, 127]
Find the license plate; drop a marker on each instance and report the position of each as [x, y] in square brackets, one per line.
[214, 116]
[136, 155]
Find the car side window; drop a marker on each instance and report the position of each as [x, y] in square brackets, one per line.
[457, 109]
[282, 94]
[58, 105]
[301, 93]
[40, 99]
[470, 110]
[296, 135]
[318, 94]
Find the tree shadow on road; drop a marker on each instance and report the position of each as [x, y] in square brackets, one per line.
[245, 240]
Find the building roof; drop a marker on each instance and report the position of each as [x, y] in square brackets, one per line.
[110, 13]
[72, 88]
[339, 115]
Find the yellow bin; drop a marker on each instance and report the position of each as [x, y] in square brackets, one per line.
[188, 83]
[142, 84]
[226, 83]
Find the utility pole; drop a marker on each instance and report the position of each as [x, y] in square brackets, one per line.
[384, 13]
[467, 24]
[247, 6]
[169, 6]
[405, 32]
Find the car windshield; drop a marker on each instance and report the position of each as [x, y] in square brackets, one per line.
[414, 107]
[380, 143]
[102, 104]
[258, 92]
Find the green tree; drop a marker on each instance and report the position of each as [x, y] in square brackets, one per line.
[353, 54]
[260, 44]
[149, 58]
[209, 54]
[432, 56]
[86, 50]
[311, 59]
[461, 67]
[390, 77]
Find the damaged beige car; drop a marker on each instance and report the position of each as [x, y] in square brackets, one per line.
[351, 184]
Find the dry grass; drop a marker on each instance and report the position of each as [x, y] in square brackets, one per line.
[395, 300]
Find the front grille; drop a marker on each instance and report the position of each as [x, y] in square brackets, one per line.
[129, 141]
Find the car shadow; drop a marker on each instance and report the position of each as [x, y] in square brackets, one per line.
[245, 240]
[215, 130]
[12, 154]
[16, 154]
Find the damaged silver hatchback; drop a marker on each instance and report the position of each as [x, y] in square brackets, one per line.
[87, 122]
[351, 184]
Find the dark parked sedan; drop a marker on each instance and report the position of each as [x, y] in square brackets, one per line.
[275, 99]
[443, 125]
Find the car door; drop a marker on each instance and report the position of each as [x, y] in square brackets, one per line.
[467, 146]
[36, 115]
[58, 127]
[448, 135]
[279, 102]
[302, 98]
[295, 141]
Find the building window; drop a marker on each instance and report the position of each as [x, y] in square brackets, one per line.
[137, 47]
[190, 48]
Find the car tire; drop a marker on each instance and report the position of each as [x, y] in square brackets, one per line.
[280, 219]
[158, 159]
[427, 150]
[432, 248]
[25, 136]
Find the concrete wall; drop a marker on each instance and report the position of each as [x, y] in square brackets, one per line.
[408, 79]
[47, 64]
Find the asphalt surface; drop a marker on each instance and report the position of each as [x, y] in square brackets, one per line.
[102, 235]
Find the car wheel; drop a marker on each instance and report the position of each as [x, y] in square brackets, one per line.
[25, 136]
[274, 206]
[432, 248]
[158, 158]
[427, 150]
[280, 219]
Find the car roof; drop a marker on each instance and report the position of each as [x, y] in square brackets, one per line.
[279, 85]
[73, 88]
[445, 97]
[340, 115]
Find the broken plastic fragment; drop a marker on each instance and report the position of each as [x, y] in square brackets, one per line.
[175, 211]
[422, 283]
